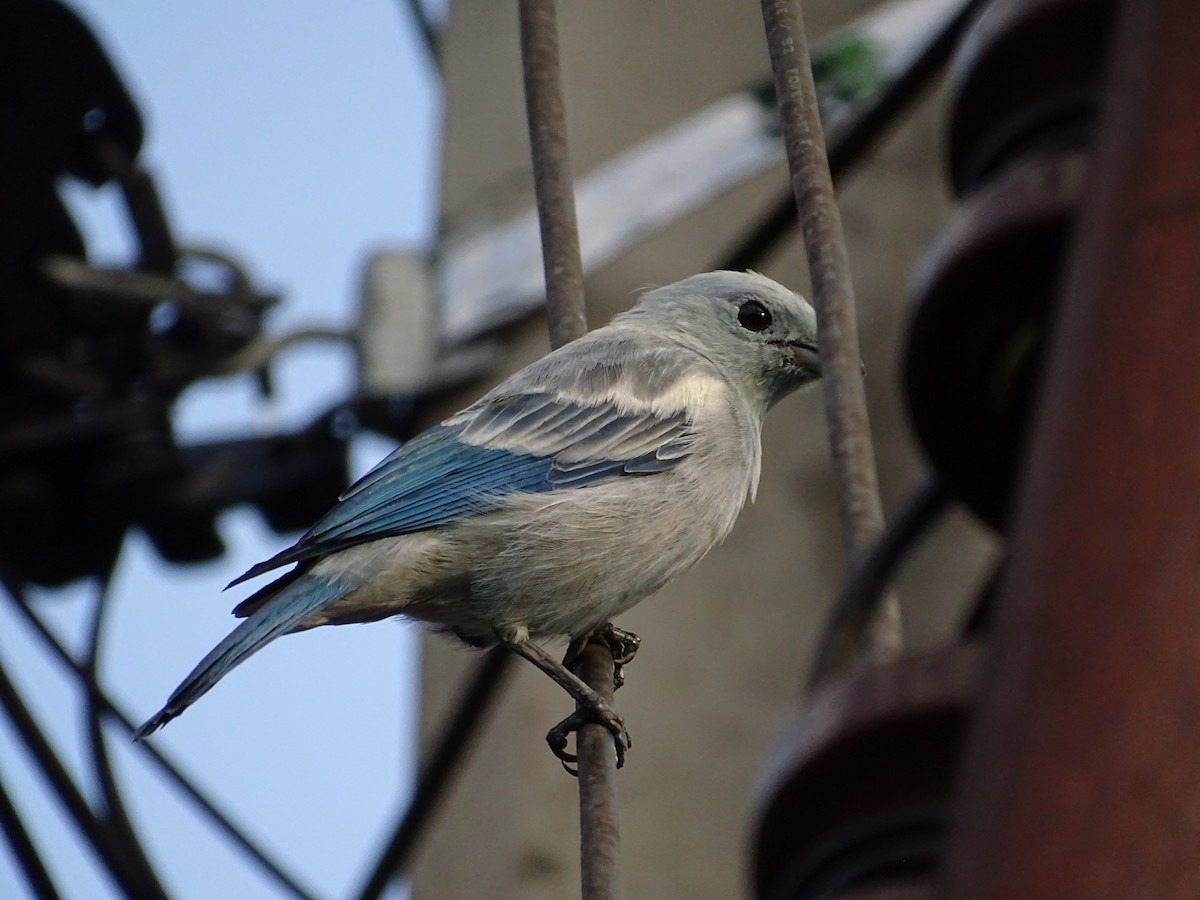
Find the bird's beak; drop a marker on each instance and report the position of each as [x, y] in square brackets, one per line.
[805, 356]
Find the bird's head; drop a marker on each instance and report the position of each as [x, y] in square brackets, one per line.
[760, 334]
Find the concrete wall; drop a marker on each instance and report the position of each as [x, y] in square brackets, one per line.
[724, 647]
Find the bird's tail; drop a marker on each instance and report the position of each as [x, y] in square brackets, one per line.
[298, 599]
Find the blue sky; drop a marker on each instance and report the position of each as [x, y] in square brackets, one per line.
[298, 138]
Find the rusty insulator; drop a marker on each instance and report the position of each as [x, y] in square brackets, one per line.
[856, 799]
[982, 300]
[1026, 81]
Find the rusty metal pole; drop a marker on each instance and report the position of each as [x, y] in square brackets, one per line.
[553, 186]
[1082, 778]
[599, 833]
[833, 298]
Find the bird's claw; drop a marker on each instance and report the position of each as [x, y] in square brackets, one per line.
[604, 715]
[623, 645]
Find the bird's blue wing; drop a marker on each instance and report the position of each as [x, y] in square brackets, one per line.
[521, 443]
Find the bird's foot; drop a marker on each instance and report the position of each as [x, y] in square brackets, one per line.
[598, 713]
[623, 645]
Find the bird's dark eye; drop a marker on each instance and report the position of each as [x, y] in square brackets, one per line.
[753, 316]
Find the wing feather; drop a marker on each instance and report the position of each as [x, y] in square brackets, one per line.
[512, 441]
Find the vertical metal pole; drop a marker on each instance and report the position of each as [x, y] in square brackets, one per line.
[833, 298]
[553, 186]
[1082, 777]
[600, 837]
[599, 834]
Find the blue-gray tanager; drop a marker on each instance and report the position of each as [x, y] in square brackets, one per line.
[571, 492]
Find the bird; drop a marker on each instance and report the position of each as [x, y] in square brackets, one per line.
[563, 497]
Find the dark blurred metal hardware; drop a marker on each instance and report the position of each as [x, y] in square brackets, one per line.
[982, 304]
[1026, 92]
[185, 332]
[91, 359]
[60, 94]
[986, 333]
[858, 793]
[64, 505]
[1026, 82]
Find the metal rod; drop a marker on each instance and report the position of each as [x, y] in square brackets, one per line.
[553, 186]
[568, 320]
[600, 836]
[435, 775]
[859, 505]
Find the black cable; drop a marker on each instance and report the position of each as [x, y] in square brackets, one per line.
[428, 31]
[115, 815]
[220, 819]
[94, 830]
[435, 776]
[23, 849]
[855, 606]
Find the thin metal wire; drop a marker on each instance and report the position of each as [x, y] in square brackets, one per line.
[218, 818]
[436, 774]
[115, 816]
[860, 509]
[428, 31]
[544, 106]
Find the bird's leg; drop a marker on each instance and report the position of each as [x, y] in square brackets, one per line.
[575, 648]
[591, 707]
[622, 644]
